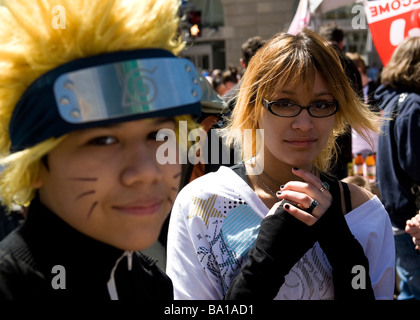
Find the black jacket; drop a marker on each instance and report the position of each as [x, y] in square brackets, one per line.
[397, 165]
[83, 265]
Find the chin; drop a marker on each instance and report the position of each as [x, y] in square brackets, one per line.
[141, 240]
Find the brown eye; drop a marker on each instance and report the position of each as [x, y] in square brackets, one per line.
[103, 141]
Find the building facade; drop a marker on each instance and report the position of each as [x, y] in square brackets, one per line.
[225, 24]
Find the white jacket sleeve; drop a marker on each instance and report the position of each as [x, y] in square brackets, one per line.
[373, 230]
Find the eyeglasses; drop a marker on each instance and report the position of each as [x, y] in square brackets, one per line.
[287, 109]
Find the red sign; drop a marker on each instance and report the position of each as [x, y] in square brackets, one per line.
[390, 22]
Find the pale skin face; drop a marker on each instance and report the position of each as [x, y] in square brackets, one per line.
[106, 183]
[295, 143]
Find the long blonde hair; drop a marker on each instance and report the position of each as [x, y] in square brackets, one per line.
[30, 46]
[289, 60]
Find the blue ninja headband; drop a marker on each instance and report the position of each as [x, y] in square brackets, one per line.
[105, 89]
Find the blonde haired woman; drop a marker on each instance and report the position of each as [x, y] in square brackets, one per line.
[80, 110]
[231, 237]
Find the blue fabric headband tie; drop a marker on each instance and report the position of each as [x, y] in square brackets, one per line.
[104, 89]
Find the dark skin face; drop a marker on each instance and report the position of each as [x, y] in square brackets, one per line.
[107, 183]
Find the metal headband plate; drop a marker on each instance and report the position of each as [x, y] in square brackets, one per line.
[126, 88]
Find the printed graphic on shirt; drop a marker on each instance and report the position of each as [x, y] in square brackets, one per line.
[231, 231]
[240, 229]
[205, 209]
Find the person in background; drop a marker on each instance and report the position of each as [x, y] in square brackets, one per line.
[231, 77]
[397, 165]
[278, 225]
[248, 49]
[81, 111]
[335, 36]
[364, 183]
[368, 85]
[218, 85]
[359, 145]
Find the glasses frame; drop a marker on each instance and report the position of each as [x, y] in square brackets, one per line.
[268, 104]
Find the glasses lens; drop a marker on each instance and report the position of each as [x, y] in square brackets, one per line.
[285, 108]
[322, 109]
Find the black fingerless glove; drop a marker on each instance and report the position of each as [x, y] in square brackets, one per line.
[344, 252]
[281, 242]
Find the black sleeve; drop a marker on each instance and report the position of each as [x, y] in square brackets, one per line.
[281, 242]
[344, 253]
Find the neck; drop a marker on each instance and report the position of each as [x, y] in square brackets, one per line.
[277, 170]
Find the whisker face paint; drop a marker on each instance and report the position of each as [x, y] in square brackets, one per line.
[92, 208]
[87, 193]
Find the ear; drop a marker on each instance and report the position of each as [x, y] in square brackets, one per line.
[37, 183]
[242, 63]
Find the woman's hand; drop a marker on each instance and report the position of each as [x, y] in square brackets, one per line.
[310, 194]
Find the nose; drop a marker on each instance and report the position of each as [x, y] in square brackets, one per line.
[140, 166]
[303, 121]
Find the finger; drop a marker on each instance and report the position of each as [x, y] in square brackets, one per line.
[415, 232]
[415, 221]
[408, 227]
[313, 186]
[299, 197]
[301, 215]
[307, 191]
[304, 202]
[416, 241]
[308, 177]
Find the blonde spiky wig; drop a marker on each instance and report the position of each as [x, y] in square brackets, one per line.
[31, 45]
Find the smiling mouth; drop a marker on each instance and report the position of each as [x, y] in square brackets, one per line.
[140, 209]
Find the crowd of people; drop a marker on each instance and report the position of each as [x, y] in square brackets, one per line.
[85, 111]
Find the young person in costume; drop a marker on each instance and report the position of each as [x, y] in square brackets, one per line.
[233, 236]
[81, 109]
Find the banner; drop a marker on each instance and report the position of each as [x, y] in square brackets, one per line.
[390, 22]
[301, 19]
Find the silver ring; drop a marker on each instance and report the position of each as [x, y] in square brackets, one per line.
[312, 206]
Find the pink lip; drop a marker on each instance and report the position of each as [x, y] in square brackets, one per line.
[301, 142]
[145, 208]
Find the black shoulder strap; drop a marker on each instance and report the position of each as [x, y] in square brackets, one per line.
[347, 197]
[335, 191]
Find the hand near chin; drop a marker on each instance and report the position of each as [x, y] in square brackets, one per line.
[311, 197]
